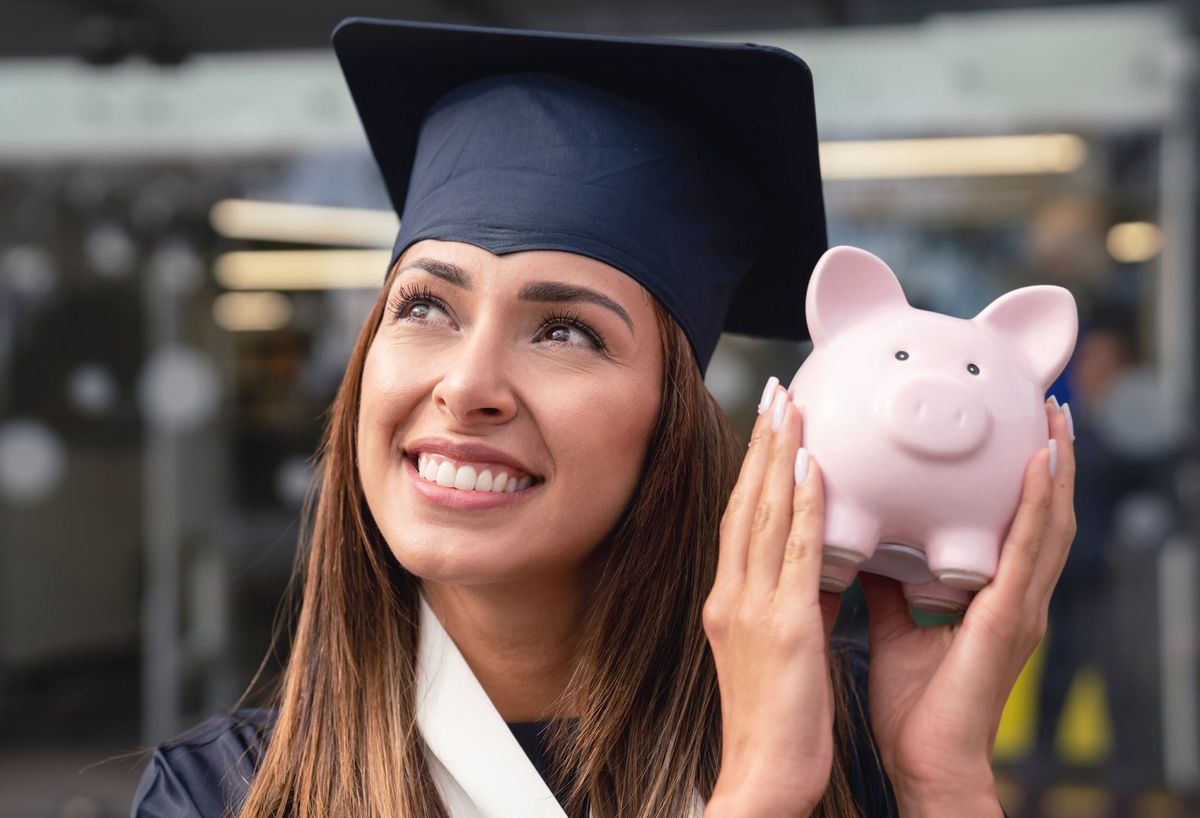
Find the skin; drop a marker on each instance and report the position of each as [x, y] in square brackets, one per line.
[935, 694]
[479, 365]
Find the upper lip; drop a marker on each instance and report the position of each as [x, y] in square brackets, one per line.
[468, 452]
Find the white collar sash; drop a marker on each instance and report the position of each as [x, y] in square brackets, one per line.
[480, 769]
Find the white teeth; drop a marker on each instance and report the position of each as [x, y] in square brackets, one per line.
[465, 478]
[445, 474]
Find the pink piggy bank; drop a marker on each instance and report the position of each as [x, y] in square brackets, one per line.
[923, 424]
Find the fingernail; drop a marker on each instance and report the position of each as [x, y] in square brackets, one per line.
[765, 400]
[1053, 401]
[1053, 456]
[801, 465]
[1066, 410]
[777, 410]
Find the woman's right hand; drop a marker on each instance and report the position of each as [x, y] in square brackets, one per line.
[769, 628]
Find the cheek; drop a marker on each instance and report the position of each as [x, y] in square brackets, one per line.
[602, 440]
[386, 399]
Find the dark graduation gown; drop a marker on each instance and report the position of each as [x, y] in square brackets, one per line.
[209, 768]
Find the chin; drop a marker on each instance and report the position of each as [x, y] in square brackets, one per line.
[463, 562]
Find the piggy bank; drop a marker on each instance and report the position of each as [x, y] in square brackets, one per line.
[923, 424]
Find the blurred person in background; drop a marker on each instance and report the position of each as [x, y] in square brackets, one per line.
[1103, 613]
[1066, 245]
[1079, 609]
[1065, 242]
[567, 259]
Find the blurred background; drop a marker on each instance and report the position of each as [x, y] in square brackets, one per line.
[191, 233]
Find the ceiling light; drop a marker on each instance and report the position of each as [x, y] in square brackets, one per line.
[1131, 242]
[303, 224]
[252, 312]
[952, 156]
[301, 269]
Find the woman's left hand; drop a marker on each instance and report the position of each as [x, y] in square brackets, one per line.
[936, 694]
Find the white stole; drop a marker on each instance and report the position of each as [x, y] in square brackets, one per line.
[480, 769]
[478, 765]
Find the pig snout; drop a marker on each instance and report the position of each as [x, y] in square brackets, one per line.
[936, 416]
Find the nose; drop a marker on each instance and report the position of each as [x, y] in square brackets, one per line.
[936, 416]
[474, 387]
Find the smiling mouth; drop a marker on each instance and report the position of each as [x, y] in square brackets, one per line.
[477, 477]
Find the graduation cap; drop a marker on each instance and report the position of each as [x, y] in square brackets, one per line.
[690, 166]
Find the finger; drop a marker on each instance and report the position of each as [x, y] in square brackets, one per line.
[739, 511]
[800, 570]
[1019, 553]
[1060, 525]
[773, 516]
[887, 609]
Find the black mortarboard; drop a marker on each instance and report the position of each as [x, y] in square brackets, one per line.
[690, 166]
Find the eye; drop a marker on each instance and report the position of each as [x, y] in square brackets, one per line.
[420, 310]
[419, 305]
[901, 356]
[561, 334]
[568, 330]
[974, 370]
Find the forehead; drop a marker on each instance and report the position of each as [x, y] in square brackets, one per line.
[501, 273]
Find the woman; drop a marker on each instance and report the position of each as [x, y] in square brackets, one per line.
[524, 593]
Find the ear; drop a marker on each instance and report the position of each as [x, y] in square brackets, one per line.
[1043, 321]
[847, 286]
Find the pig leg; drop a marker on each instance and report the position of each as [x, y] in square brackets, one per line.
[850, 534]
[936, 597]
[963, 558]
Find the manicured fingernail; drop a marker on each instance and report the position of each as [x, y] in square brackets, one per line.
[777, 410]
[1066, 410]
[1053, 401]
[801, 465]
[765, 400]
[1053, 456]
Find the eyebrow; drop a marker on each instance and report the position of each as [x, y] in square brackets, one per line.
[450, 273]
[556, 292]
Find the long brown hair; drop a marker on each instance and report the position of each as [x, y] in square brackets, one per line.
[648, 736]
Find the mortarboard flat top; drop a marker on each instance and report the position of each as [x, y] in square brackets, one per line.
[751, 104]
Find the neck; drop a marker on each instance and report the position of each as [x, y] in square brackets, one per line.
[520, 640]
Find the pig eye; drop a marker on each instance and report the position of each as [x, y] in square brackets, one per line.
[901, 356]
[974, 370]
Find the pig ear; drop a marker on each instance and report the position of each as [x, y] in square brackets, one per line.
[1043, 321]
[847, 286]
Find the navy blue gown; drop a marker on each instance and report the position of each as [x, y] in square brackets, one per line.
[206, 772]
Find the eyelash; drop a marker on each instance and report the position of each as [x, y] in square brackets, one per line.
[407, 296]
[572, 320]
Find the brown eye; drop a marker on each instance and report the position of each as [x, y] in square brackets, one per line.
[567, 329]
[974, 370]
[901, 356]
